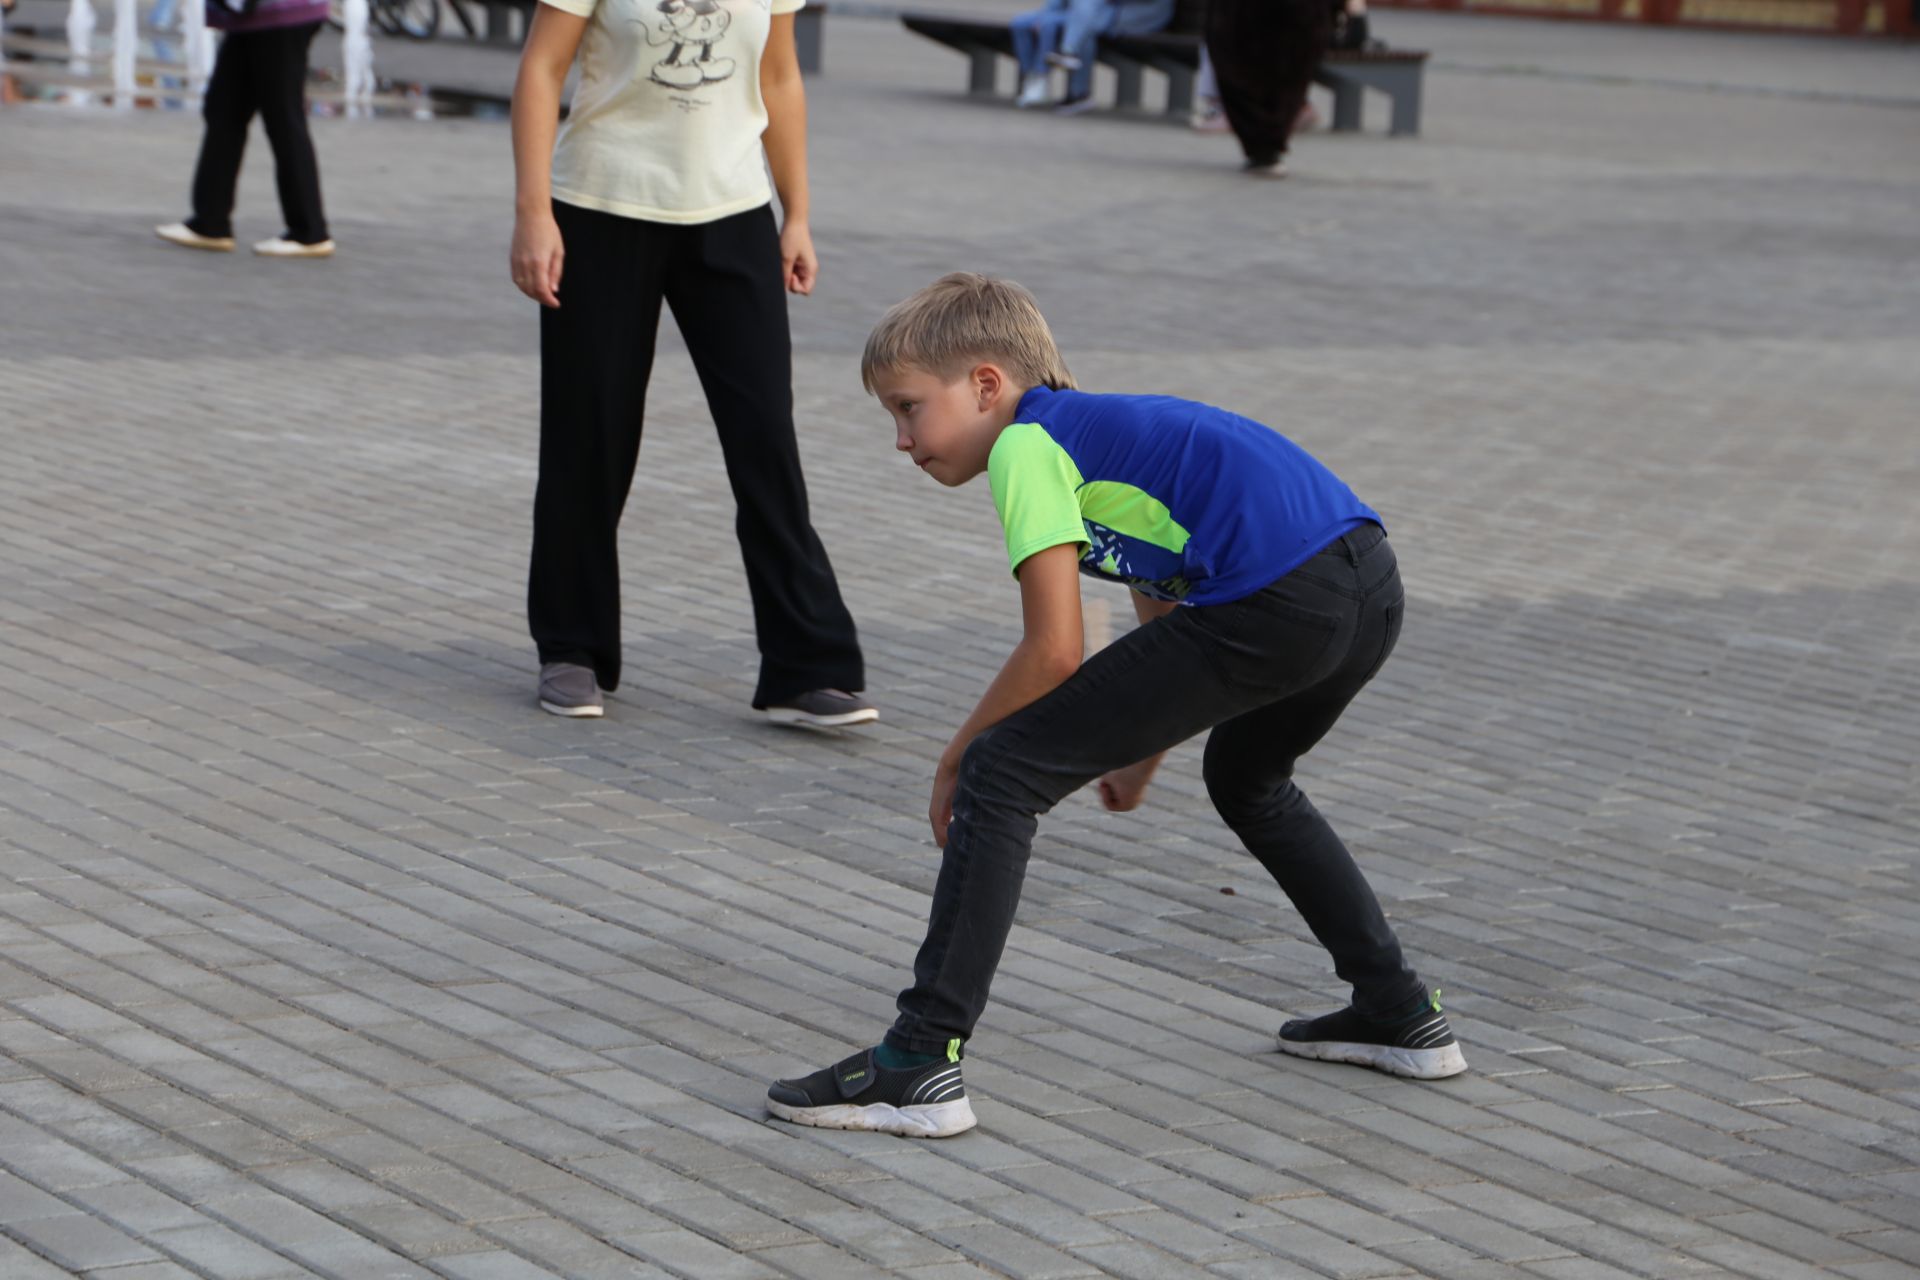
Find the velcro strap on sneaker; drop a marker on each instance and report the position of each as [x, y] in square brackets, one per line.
[856, 1074]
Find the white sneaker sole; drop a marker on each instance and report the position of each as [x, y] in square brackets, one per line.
[1414, 1064]
[940, 1120]
[559, 709]
[793, 715]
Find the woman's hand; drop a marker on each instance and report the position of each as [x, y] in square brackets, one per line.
[946, 780]
[800, 265]
[537, 256]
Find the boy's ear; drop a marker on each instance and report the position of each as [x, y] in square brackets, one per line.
[987, 381]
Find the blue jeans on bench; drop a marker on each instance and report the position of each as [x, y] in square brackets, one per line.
[1036, 33]
[1076, 26]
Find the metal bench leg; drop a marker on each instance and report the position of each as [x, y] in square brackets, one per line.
[809, 33]
[1346, 104]
[1127, 93]
[1179, 91]
[982, 68]
[1406, 103]
[499, 24]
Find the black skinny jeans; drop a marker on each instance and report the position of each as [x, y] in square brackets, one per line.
[1269, 675]
[1264, 55]
[724, 282]
[264, 72]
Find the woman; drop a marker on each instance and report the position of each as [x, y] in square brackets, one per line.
[656, 190]
[262, 67]
[1264, 53]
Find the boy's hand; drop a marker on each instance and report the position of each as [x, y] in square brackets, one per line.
[1122, 790]
[1046, 657]
[946, 779]
[797, 258]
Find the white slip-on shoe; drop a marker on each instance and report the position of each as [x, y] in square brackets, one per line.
[281, 247]
[187, 238]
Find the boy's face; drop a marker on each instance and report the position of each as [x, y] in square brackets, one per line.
[947, 428]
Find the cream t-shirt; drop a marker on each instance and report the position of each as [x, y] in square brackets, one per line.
[667, 117]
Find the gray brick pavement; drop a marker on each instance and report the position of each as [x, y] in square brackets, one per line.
[321, 953]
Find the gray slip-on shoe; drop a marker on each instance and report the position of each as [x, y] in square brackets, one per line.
[828, 708]
[569, 689]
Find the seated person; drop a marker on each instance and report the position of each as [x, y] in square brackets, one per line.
[1075, 26]
[1036, 33]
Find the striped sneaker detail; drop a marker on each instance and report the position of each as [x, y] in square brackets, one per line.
[939, 1086]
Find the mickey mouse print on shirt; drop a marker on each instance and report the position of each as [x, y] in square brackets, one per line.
[690, 29]
[668, 116]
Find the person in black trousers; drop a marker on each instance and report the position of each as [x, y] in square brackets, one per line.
[261, 68]
[1264, 53]
[655, 191]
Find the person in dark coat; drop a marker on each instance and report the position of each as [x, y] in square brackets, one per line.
[1264, 53]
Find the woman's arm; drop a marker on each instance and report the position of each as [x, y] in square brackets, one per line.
[1048, 653]
[786, 144]
[537, 253]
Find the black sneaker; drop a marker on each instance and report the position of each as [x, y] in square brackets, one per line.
[1420, 1046]
[914, 1102]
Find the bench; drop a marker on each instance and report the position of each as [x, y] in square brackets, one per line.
[1176, 54]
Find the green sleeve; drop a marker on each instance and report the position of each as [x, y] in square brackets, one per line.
[1034, 482]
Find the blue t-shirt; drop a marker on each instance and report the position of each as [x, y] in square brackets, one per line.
[1180, 501]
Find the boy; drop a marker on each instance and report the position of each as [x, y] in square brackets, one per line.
[1267, 597]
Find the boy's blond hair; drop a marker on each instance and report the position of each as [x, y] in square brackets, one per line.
[959, 321]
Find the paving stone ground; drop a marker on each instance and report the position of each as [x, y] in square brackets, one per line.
[322, 952]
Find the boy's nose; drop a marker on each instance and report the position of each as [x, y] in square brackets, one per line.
[903, 442]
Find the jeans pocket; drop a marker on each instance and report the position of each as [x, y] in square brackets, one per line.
[1391, 616]
[1268, 644]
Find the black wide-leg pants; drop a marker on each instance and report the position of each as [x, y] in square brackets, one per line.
[262, 72]
[724, 282]
[1264, 55]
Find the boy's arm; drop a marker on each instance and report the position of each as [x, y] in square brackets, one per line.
[1122, 789]
[1047, 654]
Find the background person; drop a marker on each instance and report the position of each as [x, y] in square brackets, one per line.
[1087, 21]
[1264, 53]
[261, 68]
